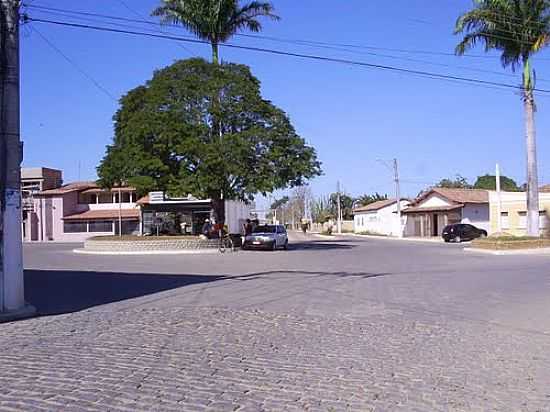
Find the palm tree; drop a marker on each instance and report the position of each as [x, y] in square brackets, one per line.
[215, 21]
[518, 29]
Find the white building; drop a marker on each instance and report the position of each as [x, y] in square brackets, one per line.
[439, 207]
[379, 218]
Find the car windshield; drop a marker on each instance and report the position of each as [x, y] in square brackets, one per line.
[264, 229]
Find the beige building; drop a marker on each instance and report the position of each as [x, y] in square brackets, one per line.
[513, 211]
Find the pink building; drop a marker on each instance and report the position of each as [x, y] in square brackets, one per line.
[79, 210]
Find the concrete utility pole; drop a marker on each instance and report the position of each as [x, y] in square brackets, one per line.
[398, 197]
[12, 298]
[339, 207]
[499, 204]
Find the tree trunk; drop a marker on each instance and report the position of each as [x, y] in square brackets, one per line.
[532, 173]
[218, 205]
[215, 53]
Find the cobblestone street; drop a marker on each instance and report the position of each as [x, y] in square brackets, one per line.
[345, 324]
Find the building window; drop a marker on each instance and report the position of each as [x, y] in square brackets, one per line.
[129, 227]
[101, 226]
[522, 220]
[543, 219]
[504, 221]
[75, 227]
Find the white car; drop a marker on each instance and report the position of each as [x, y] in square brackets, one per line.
[269, 237]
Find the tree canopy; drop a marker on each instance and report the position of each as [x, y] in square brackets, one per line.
[204, 129]
[489, 182]
[215, 21]
[365, 200]
[458, 182]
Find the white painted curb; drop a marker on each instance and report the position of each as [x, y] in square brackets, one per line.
[539, 252]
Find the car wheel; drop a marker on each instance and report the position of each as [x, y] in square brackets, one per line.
[458, 239]
[274, 246]
[446, 240]
[285, 247]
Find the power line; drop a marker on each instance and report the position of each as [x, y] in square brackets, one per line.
[299, 55]
[328, 46]
[290, 40]
[125, 5]
[76, 66]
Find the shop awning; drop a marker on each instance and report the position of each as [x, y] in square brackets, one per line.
[107, 214]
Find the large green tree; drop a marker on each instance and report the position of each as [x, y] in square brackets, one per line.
[215, 21]
[489, 182]
[518, 29]
[166, 138]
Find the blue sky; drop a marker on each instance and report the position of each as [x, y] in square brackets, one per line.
[352, 116]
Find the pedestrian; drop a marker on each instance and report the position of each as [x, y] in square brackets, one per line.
[248, 227]
[206, 230]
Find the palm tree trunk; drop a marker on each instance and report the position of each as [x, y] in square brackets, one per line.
[215, 53]
[532, 173]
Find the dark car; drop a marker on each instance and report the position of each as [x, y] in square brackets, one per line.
[462, 232]
[267, 237]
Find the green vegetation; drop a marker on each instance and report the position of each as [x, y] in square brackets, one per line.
[365, 200]
[458, 182]
[215, 21]
[508, 242]
[489, 182]
[518, 29]
[165, 138]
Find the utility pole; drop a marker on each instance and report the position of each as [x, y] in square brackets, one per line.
[397, 197]
[499, 204]
[12, 298]
[339, 207]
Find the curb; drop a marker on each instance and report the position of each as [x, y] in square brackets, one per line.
[148, 252]
[28, 311]
[538, 252]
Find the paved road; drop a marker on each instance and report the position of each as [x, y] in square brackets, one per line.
[343, 324]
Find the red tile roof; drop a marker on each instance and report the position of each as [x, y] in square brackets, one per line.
[372, 207]
[70, 187]
[107, 214]
[458, 195]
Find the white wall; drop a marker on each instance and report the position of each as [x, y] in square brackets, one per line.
[383, 221]
[434, 200]
[236, 213]
[477, 215]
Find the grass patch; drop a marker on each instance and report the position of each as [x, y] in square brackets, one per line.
[508, 242]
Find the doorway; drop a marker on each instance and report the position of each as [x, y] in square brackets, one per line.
[435, 225]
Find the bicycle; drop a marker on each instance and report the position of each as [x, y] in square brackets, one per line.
[226, 243]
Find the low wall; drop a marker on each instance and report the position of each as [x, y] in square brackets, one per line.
[150, 245]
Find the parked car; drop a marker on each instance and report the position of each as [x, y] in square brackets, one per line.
[269, 237]
[462, 232]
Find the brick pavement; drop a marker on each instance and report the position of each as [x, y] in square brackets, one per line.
[194, 359]
[348, 325]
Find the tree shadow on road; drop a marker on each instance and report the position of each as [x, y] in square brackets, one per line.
[54, 292]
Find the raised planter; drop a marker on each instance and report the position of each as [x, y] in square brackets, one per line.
[510, 243]
[145, 245]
